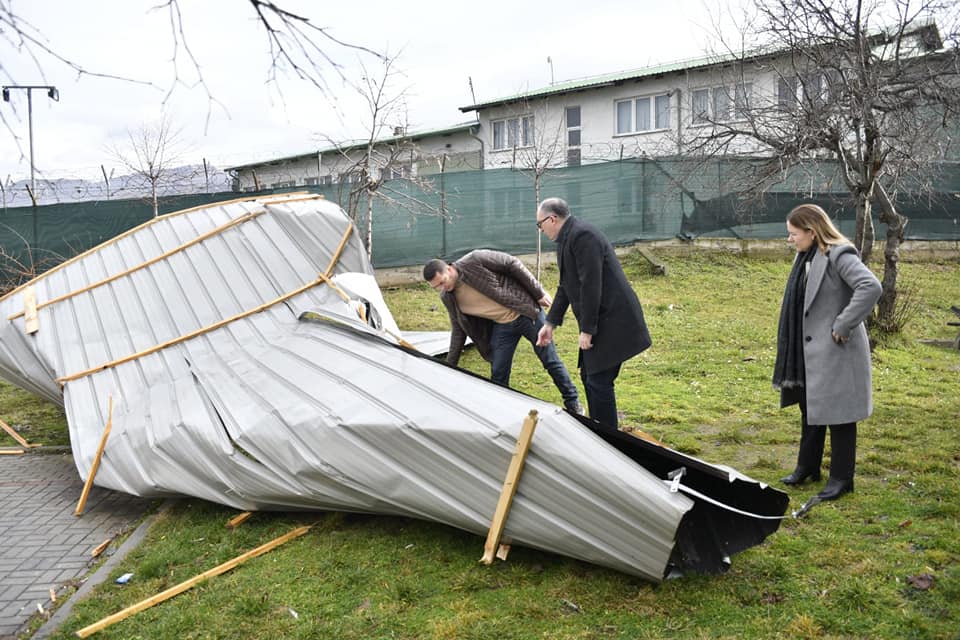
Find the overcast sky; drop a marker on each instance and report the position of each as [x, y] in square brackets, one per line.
[503, 45]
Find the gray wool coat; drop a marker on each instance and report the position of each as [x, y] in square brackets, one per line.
[841, 292]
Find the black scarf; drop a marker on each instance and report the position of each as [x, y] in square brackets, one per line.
[788, 372]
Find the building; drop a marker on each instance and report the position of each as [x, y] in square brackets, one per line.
[402, 155]
[674, 109]
[667, 109]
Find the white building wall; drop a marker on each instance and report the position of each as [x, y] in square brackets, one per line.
[599, 140]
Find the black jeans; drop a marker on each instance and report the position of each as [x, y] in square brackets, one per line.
[600, 394]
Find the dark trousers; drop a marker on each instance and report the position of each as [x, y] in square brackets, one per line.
[600, 395]
[503, 343]
[843, 447]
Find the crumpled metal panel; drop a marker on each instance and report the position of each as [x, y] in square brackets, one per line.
[306, 403]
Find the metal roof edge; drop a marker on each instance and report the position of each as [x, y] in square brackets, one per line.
[677, 66]
[356, 144]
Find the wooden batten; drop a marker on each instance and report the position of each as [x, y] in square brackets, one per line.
[188, 584]
[143, 265]
[238, 520]
[31, 319]
[16, 436]
[322, 278]
[130, 232]
[492, 547]
[96, 462]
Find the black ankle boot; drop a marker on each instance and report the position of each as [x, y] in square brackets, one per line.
[799, 476]
[835, 488]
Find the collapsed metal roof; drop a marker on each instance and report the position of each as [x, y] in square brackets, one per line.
[244, 355]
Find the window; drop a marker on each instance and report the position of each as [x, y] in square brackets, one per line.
[787, 93]
[311, 181]
[512, 133]
[661, 106]
[701, 106]
[720, 104]
[647, 113]
[399, 171]
[572, 115]
[816, 90]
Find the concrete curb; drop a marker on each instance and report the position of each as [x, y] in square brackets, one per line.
[100, 575]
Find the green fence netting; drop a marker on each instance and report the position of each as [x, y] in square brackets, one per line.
[630, 200]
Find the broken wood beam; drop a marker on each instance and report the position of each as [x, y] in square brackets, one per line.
[238, 520]
[188, 584]
[13, 434]
[491, 547]
[659, 269]
[96, 462]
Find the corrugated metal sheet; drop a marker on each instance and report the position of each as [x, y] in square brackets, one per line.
[258, 367]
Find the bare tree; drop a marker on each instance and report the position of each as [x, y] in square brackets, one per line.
[154, 156]
[297, 46]
[870, 84]
[539, 145]
[372, 169]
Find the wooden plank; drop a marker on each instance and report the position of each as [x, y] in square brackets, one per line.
[100, 548]
[143, 265]
[188, 584]
[490, 548]
[12, 452]
[659, 268]
[335, 258]
[238, 520]
[31, 319]
[13, 434]
[96, 462]
[321, 279]
[126, 233]
[643, 435]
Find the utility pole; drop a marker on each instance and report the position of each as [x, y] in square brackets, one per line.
[54, 95]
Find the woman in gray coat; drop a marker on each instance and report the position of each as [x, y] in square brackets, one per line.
[823, 356]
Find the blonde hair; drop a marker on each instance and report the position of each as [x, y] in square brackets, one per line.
[811, 217]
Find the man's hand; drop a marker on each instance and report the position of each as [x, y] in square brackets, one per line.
[545, 335]
[545, 301]
[586, 341]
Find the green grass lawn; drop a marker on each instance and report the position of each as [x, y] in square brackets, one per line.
[845, 571]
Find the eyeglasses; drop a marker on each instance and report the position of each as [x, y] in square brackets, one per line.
[542, 220]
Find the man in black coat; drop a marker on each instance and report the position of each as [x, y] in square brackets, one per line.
[612, 328]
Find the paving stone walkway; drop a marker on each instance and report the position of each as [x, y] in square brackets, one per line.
[43, 546]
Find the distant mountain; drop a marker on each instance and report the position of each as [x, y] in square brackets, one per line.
[181, 180]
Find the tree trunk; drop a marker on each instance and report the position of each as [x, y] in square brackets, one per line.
[156, 208]
[865, 233]
[896, 224]
[536, 200]
[370, 226]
